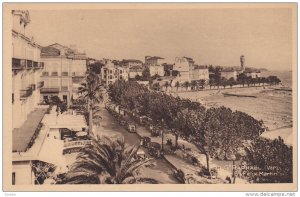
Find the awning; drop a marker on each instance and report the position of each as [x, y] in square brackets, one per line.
[22, 136]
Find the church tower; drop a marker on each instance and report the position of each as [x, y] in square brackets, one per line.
[242, 60]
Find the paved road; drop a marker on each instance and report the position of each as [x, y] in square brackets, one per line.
[161, 172]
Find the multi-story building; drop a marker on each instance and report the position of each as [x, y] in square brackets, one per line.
[156, 70]
[200, 73]
[155, 65]
[111, 73]
[154, 60]
[26, 83]
[27, 68]
[135, 71]
[185, 67]
[64, 69]
[131, 63]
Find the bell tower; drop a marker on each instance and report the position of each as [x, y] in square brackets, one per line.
[242, 60]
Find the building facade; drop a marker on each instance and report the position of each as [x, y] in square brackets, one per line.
[26, 83]
[110, 73]
[135, 71]
[64, 70]
[131, 63]
[26, 69]
[200, 74]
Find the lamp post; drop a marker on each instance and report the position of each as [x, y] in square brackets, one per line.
[233, 158]
[162, 135]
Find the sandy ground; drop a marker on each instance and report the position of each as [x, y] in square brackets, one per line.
[272, 106]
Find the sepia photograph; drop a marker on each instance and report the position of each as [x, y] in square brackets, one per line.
[150, 97]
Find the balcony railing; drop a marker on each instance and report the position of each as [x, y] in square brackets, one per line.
[18, 63]
[29, 64]
[40, 84]
[23, 63]
[41, 64]
[49, 90]
[80, 143]
[26, 92]
[35, 65]
[33, 86]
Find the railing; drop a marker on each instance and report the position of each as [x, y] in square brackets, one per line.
[26, 92]
[35, 65]
[40, 84]
[23, 63]
[49, 90]
[74, 144]
[32, 86]
[29, 63]
[41, 64]
[18, 63]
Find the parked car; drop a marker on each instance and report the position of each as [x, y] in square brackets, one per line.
[187, 178]
[154, 149]
[146, 141]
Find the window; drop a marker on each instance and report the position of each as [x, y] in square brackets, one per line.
[110, 76]
[110, 71]
[13, 98]
[13, 178]
[120, 71]
[64, 74]
[45, 74]
[54, 74]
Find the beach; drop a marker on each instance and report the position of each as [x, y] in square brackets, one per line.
[272, 106]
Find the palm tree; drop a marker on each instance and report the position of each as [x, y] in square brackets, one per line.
[106, 161]
[90, 91]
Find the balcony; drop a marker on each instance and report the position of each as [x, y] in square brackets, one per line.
[26, 92]
[41, 64]
[29, 64]
[18, 64]
[49, 90]
[33, 86]
[35, 65]
[40, 84]
[64, 74]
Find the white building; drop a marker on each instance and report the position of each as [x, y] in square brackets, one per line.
[64, 70]
[111, 73]
[135, 71]
[27, 68]
[200, 74]
[156, 70]
[26, 82]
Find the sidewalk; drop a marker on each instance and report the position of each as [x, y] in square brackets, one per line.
[179, 163]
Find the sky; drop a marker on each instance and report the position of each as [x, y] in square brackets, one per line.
[209, 36]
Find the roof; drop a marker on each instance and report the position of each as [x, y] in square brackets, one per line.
[22, 136]
[136, 68]
[228, 69]
[153, 57]
[132, 60]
